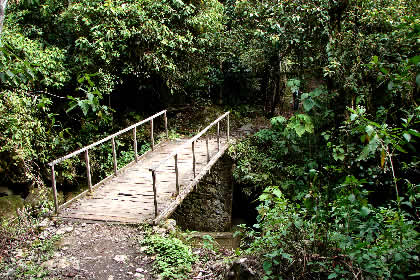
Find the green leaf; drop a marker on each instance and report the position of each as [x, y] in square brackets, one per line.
[90, 96]
[375, 60]
[267, 265]
[364, 211]
[383, 70]
[414, 132]
[84, 106]
[300, 130]
[10, 74]
[390, 85]
[407, 137]
[332, 275]
[352, 198]
[277, 193]
[415, 59]
[308, 104]
[369, 130]
[399, 148]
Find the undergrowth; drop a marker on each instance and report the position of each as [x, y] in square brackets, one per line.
[174, 259]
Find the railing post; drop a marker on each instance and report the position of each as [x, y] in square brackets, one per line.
[114, 155]
[176, 174]
[54, 189]
[166, 125]
[228, 128]
[89, 178]
[135, 143]
[152, 139]
[154, 192]
[207, 147]
[218, 136]
[193, 152]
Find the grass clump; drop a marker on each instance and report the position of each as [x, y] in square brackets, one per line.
[174, 259]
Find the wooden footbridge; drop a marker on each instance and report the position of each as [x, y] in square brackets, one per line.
[150, 188]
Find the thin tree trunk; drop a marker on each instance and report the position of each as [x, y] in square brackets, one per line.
[3, 4]
[220, 97]
[274, 99]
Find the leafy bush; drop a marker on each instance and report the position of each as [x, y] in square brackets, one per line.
[25, 134]
[27, 64]
[173, 258]
[342, 209]
[358, 240]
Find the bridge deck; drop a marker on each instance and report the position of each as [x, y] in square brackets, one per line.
[128, 197]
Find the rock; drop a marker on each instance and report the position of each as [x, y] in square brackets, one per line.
[64, 230]
[167, 226]
[120, 258]
[170, 225]
[10, 273]
[110, 277]
[62, 263]
[140, 270]
[44, 223]
[241, 270]
[49, 264]
[19, 253]
[246, 129]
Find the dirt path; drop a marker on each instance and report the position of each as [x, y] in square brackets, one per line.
[99, 251]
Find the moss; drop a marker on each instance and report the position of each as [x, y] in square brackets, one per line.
[9, 204]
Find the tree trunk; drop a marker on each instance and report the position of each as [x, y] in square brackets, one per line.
[220, 97]
[3, 4]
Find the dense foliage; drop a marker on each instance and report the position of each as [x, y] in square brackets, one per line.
[338, 181]
[173, 258]
[336, 174]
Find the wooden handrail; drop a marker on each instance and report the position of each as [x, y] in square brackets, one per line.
[112, 138]
[171, 155]
[106, 138]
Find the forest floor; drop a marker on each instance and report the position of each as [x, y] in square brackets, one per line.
[100, 251]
